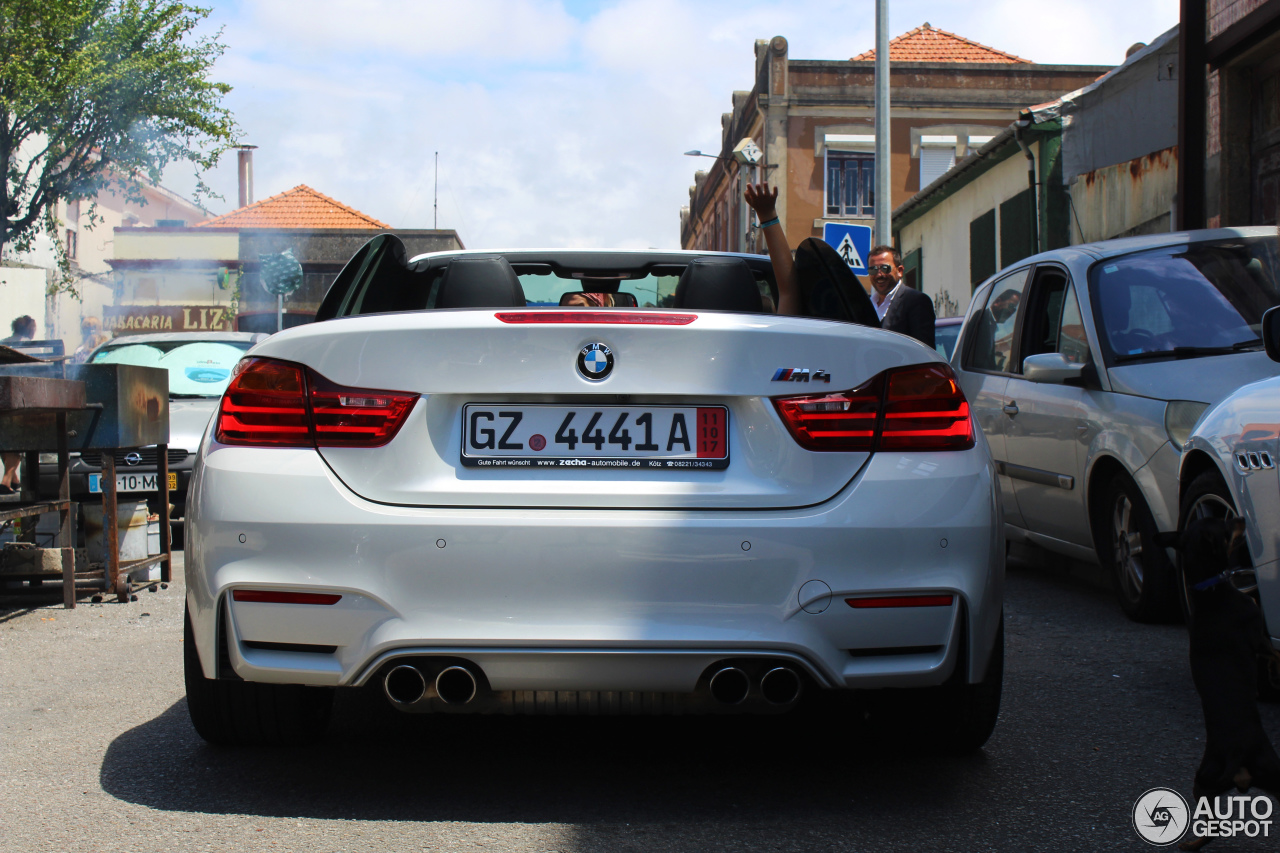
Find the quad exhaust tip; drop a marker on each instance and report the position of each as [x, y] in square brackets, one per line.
[730, 685]
[780, 686]
[455, 685]
[404, 685]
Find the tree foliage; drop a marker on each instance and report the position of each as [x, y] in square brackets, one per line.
[97, 94]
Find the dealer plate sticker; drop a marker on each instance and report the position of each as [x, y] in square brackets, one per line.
[502, 435]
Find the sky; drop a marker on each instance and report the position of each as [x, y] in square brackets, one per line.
[559, 123]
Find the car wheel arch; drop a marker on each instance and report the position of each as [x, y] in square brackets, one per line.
[1195, 463]
[1100, 474]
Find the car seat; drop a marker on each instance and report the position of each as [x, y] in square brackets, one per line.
[718, 284]
[479, 282]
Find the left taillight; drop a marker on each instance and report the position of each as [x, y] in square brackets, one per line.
[272, 403]
[910, 408]
[265, 405]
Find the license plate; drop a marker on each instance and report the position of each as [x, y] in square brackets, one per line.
[139, 482]
[502, 435]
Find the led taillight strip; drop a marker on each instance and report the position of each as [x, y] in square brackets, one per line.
[902, 601]
[920, 407]
[272, 403]
[625, 318]
[273, 596]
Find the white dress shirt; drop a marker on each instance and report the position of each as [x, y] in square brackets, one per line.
[882, 308]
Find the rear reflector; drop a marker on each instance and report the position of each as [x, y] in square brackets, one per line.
[630, 318]
[911, 408]
[902, 601]
[270, 596]
[273, 403]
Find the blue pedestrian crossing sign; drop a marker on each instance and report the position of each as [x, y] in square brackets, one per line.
[851, 242]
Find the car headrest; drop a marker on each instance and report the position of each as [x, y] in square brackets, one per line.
[719, 284]
[479, 282]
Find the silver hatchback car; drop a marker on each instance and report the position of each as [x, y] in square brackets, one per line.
[1087, 368]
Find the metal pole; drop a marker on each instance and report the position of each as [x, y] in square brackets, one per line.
[279, 312]
[884, 184]
[435, 197]
[1192, 115]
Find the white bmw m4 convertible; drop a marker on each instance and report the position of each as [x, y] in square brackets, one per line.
[507, 483]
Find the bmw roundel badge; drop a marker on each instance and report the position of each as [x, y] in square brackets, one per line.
[595, 361]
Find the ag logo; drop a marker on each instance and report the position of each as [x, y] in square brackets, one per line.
[595, 361]
[1160, 816]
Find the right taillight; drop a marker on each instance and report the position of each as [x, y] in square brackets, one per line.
[273, 403]
[910, 408]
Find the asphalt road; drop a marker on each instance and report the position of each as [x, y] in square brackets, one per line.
[97, 754]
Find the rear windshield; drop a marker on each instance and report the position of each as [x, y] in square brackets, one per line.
[196, 368]
[1205, 299]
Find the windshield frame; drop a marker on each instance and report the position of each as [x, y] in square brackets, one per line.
[1243, 342]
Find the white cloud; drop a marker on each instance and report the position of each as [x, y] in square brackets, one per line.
[554, 131]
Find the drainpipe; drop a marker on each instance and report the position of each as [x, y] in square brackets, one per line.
[1019, 127]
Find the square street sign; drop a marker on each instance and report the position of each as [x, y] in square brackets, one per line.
[851, 242]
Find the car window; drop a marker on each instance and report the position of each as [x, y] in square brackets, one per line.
[1181, 301]
[944, 339]
[549, 291]
[196, 368]
[992, 346]
[1053, 323]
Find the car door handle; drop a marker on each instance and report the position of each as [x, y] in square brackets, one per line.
[1010, 408]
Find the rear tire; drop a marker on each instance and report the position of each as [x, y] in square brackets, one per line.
[1145, 585]
[1209, 497]
[967, 713]
[242, 713]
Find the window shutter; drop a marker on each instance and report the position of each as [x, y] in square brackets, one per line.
[982, 248]
[934, 162]
[1016, 234]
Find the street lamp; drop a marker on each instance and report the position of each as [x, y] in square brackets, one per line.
[696, 153]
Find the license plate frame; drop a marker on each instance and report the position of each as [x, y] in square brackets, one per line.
[540, 420]
[130, 482]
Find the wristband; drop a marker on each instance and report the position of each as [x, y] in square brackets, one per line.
[773, 221]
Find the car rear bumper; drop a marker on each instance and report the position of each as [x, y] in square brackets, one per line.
[595, 600]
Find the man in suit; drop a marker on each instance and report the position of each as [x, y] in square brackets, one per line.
[900, 308]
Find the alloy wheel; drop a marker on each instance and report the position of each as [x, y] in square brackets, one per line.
[1216, 506]
[1128, 545]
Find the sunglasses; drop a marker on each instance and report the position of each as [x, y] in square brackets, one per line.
[881, 268]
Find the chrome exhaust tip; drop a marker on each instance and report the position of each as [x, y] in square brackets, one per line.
[730, 685]
[404, 685]
[455, 685]
[780, 686]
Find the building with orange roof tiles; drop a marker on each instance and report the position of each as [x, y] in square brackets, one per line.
[300, 207]
[814, 122]
[927, 44]
[205, 277]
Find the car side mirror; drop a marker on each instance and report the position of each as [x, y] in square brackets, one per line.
[1271, 333]
[1051, 368]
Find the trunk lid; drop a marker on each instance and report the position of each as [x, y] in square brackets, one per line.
[460, 358]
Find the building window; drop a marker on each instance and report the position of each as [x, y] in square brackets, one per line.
[936, 158]
[71, 243]
[851, 183]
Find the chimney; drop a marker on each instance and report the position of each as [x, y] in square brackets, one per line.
[244, 168]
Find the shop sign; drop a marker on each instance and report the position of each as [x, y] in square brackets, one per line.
[135, 319]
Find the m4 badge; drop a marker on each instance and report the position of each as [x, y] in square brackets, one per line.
[800, 374]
